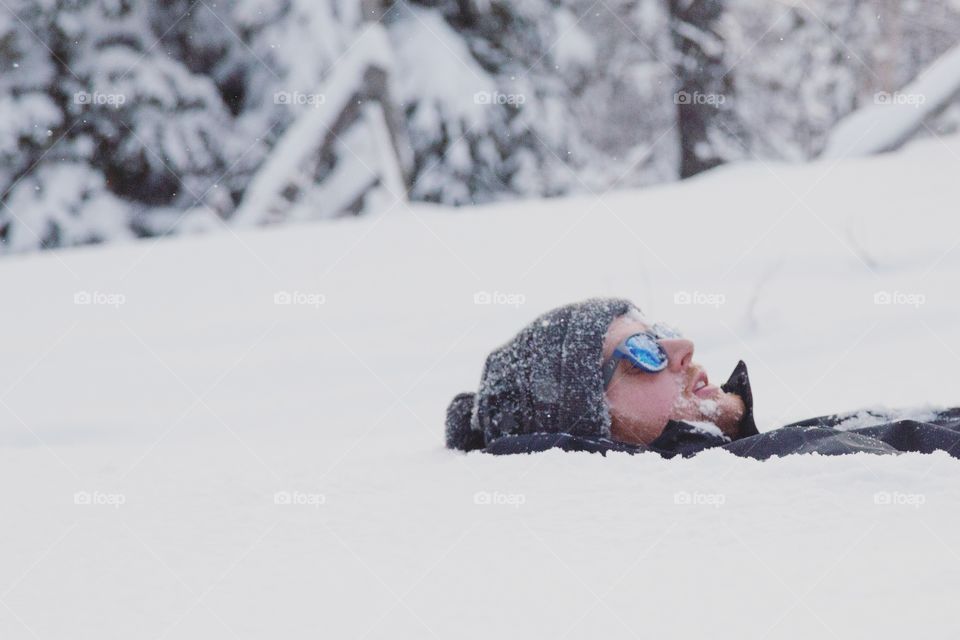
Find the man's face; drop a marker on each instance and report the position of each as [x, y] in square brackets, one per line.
[642, 403]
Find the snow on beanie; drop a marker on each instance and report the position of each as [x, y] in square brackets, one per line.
[547, 379]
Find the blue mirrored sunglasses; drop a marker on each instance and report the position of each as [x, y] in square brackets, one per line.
[642, 350]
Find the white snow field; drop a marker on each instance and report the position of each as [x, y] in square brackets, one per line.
[184, 458]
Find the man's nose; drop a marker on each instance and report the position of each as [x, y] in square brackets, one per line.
[679, 353]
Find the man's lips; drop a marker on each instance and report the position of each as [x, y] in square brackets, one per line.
[700, 385]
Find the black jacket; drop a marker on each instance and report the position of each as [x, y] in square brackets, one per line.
[837, 434]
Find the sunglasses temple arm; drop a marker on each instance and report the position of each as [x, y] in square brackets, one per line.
[608, 368]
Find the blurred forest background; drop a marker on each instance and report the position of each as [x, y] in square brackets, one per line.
[125, 119]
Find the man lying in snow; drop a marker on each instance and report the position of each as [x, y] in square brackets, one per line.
[597, 376]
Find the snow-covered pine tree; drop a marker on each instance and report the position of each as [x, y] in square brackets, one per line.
[137, 133]
[465, 83]
[49, 194]
[539, 98]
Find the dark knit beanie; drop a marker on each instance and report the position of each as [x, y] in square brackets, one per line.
[546, 380]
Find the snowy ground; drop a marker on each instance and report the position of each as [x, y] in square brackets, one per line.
[144, 443]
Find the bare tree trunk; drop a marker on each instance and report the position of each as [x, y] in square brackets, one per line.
[704, 87]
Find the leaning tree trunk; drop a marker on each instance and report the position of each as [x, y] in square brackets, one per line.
[703, 94]
[346, 158]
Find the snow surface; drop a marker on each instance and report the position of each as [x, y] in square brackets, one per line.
[185, 458]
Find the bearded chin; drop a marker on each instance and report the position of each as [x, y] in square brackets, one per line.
[700, 409]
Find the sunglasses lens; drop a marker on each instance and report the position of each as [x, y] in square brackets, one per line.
[646, 353]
